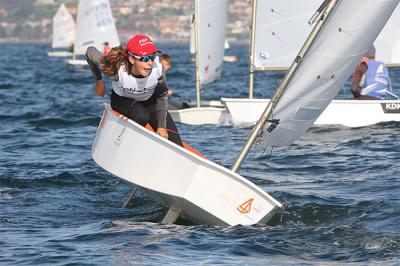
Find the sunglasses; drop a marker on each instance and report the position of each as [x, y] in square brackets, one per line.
[146, 58]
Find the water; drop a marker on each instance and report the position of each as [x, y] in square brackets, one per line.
[340, 186]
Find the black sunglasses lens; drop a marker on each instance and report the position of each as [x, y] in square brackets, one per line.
[147, 58]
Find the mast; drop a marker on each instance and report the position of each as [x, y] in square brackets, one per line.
[197, 53]
[327, 6]
[252, 48]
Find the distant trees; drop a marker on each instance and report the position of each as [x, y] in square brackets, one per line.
[2, 32]
[28, 31]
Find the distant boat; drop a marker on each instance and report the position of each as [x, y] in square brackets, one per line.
[226, 45]
[230, 58]
[95, 25]
[349, 113]
[63, 32]
[338, 111]
[209, 37]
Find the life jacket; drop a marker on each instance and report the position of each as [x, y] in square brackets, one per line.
[139, 89]
[376, 80]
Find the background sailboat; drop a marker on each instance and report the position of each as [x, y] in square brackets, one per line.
[328, 64]
[63, 32]
[247, 111]
[210, 30]
[229, 58]
[226, 44]
[95, 25]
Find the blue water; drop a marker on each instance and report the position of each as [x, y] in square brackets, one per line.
[340, 186]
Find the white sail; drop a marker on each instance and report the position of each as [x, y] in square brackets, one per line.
[388, 42]
[95, 25]
[63, 28]
[212, 24]
[226, 44]
[208, 37]
[192, 48]
[281, 27]
[330, 61]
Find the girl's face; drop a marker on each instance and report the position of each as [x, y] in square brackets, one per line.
[139, 67]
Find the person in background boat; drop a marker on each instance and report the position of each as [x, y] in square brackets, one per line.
[370, 78]
[106, 48]
[71, 47]
[173, 104]
[166, 62]
[139, 90]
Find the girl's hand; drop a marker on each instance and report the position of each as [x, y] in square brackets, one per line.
[100, 88]
[162, 132]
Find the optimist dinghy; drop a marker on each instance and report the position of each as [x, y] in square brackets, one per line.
[209, 28]
[94, 26]
[202, 191]
[63, 32]
[349, 113]
[322, 73]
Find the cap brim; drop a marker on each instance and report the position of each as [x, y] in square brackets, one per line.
[156, 50]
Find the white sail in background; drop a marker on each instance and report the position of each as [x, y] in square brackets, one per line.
[63, 28]
[388, 42]
[281, 27]
[212, 27]
[226, 44]
[192, 48]
[330, 61]
[95, 25]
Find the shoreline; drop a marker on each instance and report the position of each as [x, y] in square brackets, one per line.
[161, 41]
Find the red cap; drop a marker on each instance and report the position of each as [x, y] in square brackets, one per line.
[141, 45]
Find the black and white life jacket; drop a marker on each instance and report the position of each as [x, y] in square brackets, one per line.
[139, 89]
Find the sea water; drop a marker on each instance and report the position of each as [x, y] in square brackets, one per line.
[340, 186]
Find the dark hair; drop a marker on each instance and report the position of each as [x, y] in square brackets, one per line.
[111, 62]
[166, 58]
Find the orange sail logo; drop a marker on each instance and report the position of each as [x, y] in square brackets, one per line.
[246, 206]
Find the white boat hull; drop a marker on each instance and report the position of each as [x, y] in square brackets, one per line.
[211, 103]
[77, 62]
[200, 116]
[350, 113]
[206, 193]
[59, 54]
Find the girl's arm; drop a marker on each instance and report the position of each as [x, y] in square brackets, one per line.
[161, 94]
[93, 57]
